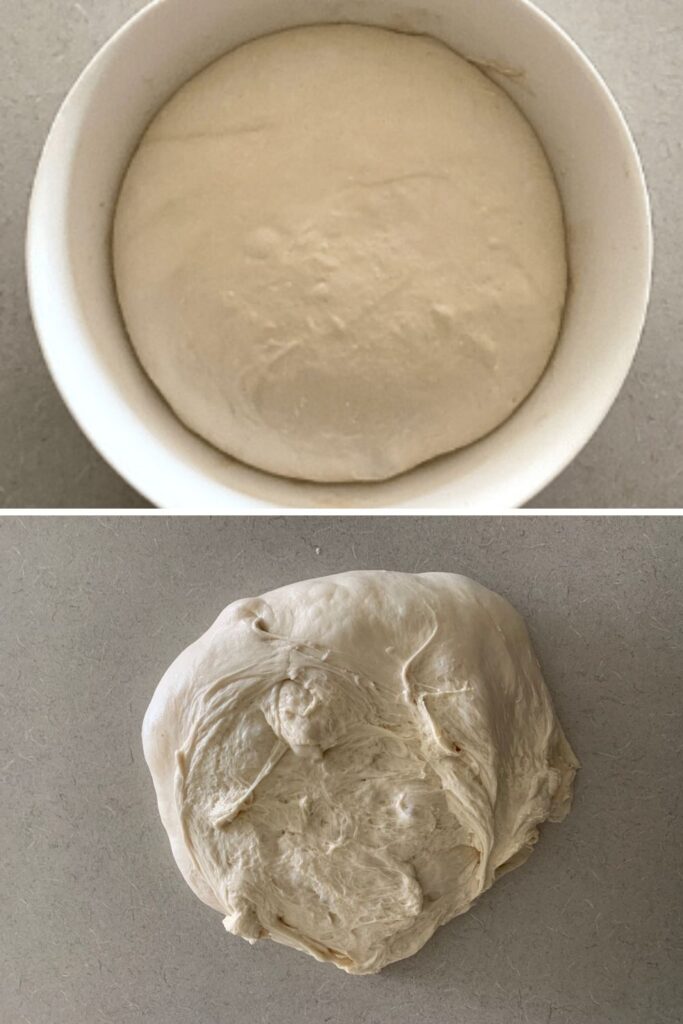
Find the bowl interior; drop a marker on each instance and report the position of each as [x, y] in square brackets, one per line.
[73, 295]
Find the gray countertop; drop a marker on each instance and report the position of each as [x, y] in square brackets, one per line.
[98, 925]
[635, 460]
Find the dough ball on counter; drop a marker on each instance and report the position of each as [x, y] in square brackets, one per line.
[345, 764]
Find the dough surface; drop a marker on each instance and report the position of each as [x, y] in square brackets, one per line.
[339, 252]
[346, 763]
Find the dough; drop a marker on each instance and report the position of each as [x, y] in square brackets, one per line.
[339, 252]
[345, 764]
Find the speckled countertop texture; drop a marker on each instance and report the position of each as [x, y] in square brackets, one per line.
[98, 926]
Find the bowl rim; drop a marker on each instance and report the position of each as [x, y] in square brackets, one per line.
[520, 490]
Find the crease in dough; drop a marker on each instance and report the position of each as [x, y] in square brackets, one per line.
[345, 764]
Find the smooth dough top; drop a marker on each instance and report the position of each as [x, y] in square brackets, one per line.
[346, 763]
[339, 252]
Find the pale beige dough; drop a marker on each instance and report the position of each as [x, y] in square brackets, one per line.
[346, 763]
[339, 252]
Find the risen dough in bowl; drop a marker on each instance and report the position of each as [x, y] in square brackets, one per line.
[346, 763]
[339, 252]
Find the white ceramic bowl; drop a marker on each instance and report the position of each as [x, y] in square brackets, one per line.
[73, 297]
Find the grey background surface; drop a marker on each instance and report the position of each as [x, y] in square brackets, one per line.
[636, 459]
[97, 923]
